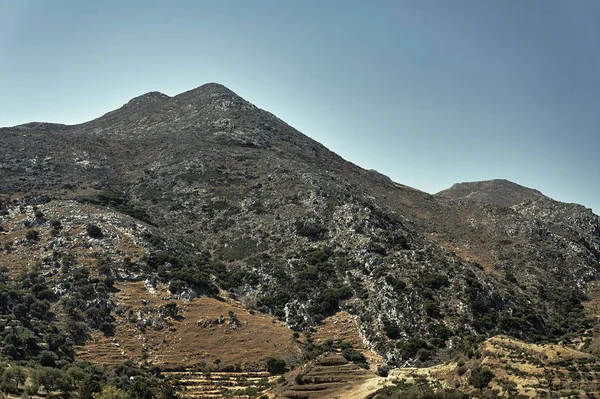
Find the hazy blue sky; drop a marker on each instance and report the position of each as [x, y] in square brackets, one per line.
[428, 92]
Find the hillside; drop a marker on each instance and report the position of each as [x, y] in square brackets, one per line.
[202, 201]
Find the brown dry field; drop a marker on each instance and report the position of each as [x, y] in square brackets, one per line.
[184, 344]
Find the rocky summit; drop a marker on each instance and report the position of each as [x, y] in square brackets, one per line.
[181, 238]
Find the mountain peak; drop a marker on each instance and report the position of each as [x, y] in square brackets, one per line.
[207, 91]
[148, 98]
[213, 87]
[497, 191]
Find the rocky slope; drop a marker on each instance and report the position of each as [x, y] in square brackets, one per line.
[228, 198]
[498, 192]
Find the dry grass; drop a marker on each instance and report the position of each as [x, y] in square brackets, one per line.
[468, 255]
[535, 370]
[184, 344]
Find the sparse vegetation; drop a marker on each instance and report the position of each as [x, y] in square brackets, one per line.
[40, 351]
[121, 203]
[421, 389]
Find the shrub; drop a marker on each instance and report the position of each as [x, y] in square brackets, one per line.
[481, 377]
[94, 231]
[435, 281]
[431, 308]
[354, 356]
[418, 391]
[383, 370]
[397, 284]
[32, 235]
[391, 330]
[275, 366]
[312, 230]
[423, 354]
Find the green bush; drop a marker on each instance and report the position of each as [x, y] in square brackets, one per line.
[275, 366]
[110, 392]
[94, 231]
[397, 284]
[480, 377]
[314, 231]
[32, 235]
[383, 370]
[354, 356]
[435, 281]
[431, 308]
[391, 330]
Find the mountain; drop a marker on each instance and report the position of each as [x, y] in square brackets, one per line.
[497, 192]
[172, 207]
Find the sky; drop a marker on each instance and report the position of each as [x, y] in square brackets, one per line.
[428, 92]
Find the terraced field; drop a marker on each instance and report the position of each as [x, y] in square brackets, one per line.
[541, 370]
[520, 370]
[330, 376]
[204, 331]
[216, 385]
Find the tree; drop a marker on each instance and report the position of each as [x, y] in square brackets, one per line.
[110, 392]
[48, 377]
[11, 378]
[481, 377]
[275, 366]
[77, 375]
[141, 389]
[48, 358]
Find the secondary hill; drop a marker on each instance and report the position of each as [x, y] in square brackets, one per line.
[497, 192]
